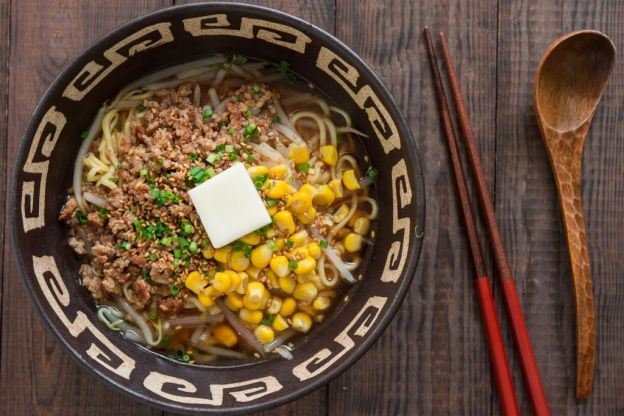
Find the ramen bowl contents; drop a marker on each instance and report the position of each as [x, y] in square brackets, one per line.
[165, 157]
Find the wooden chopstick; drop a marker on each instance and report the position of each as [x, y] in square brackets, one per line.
[512, 303]
[498, 356]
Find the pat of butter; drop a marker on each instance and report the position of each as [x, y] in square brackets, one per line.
[229, 206]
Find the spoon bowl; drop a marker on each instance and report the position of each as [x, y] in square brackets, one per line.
[569, 83]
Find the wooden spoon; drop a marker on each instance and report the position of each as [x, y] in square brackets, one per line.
[569, 83]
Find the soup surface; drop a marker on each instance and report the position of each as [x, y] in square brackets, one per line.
[147, 260]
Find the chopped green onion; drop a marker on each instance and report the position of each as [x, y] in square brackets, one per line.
[231, 132]
[304, 167]
[212, 157]
[193, 247]
[233, 155]
[256, 89]
[187, 227]
[268, 320]
[262, 230]
[140, 107]
[152, 257]
[250, 128]
[192, 156]
[271, 203]
[372, 174]
[289, 243]
[248, 113]
[164, 343]
[324, 244]
[125, 245]
[103, 213]
[271, 244]
[84, 134]
[276, 119]
[292, 265]
[165, 241]
[175, 290]
[143, 172]
[81, 216]
[152, 314]
[177, 253]
[229, 148]
[207, 113]
[113, 180]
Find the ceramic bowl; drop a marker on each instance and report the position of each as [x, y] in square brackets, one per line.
[43, 172]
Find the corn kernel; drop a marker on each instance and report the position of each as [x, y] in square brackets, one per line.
[279, 265]
[287, 283]
[288, 307]
[278, 172]
[222, 255]
[238, 261]
[349, 180]
[253, 271]
[195, 282]
[324, 197]
[272, 281]
[299, 153]
[274, 305]
[222, 282]
[243, 283]
[208, 252]
[279, 323]
[308, 189]
[236, 279]
[301, 322]
[251, 317]
[255, 171]
[298, 253]
[272, 210]
[321, 303]
[336, 186]
[280, 243]
[255, 296]
[329, 154]
[225, 335]
[361, 225]
[301, 202]
[299, 239]
[210, 291]
[305, 266]
[314, 250]
[234, 301]
[307, 217]
[264, 334]
[284, 222]
[305, 292]
[340, 214]
[277, 189]
[308, 309]
[353, 242]
[261, 256]
[252, 239]
[205, 300]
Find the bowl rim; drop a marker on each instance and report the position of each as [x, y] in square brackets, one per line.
[395, 301]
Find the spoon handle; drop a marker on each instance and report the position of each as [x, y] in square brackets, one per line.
[565, 150]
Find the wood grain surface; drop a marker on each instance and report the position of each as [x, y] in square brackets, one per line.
[432, 359]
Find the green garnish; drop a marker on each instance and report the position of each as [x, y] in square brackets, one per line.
[193, 247]
[81, 216]
[271, 203]
[248, 113]
[125, 245]
[152, 315]
[268, 320]
[271, 244]
[212, 157]
[140, 107]
[143, 172]
[207, 113]
[165, 241]
[304, 167]
[256, 89]
[103, 213]
[289, 243]
[260, 180]
[292, 265]
[164, 343]
[372, 174]
[152, 257]
[187, 228]
[231, 132]
[276, 119]
[84, 134]
[233, 155]
[192, 156]
[250, 128]
[324, 244]
[229, 148]
[113, 180]
[175, 290]
[263, 230]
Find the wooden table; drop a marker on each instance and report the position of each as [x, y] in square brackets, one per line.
[433, 358]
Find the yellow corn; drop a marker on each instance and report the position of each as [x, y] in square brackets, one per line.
[298, 253]
[274, 305]
[255, 171]
[329, 154]
[308, 189]
[340, 214]
[307, 217]
[252, 317]
[321, 303]
[287, 283]
[353, 242]
[222, 255]
[301, 202]
[279, 323]
[287, 200]
[212, 292]
[195, 282]
[278, 172]
[271, 232]
[288, 307]
[205, 300]
[279, 243]
[234, 301]
[243, 283]
[252, 239]
[305, 292]
[305, 266]
[208, 252]
[361, 225]
[254, 296]
[277, 189]
[349, 180]
[238, 261]
[236, 278]
[261, 256]
[299, 239]
[225, 335]
[336, 187]
[324, 197]
[301, 322]
[272, 210]
[264, 334]
[299, 153]
[272, 281]
[253, 271]
[279, 265]
[284, 222]
[222, 282]
[314, 250]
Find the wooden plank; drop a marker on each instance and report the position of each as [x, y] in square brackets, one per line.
[4, 101]
[37, 376]
[528, 210]
[320, 13]
[433, 358]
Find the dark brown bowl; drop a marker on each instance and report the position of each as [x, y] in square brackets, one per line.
[43, 174]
